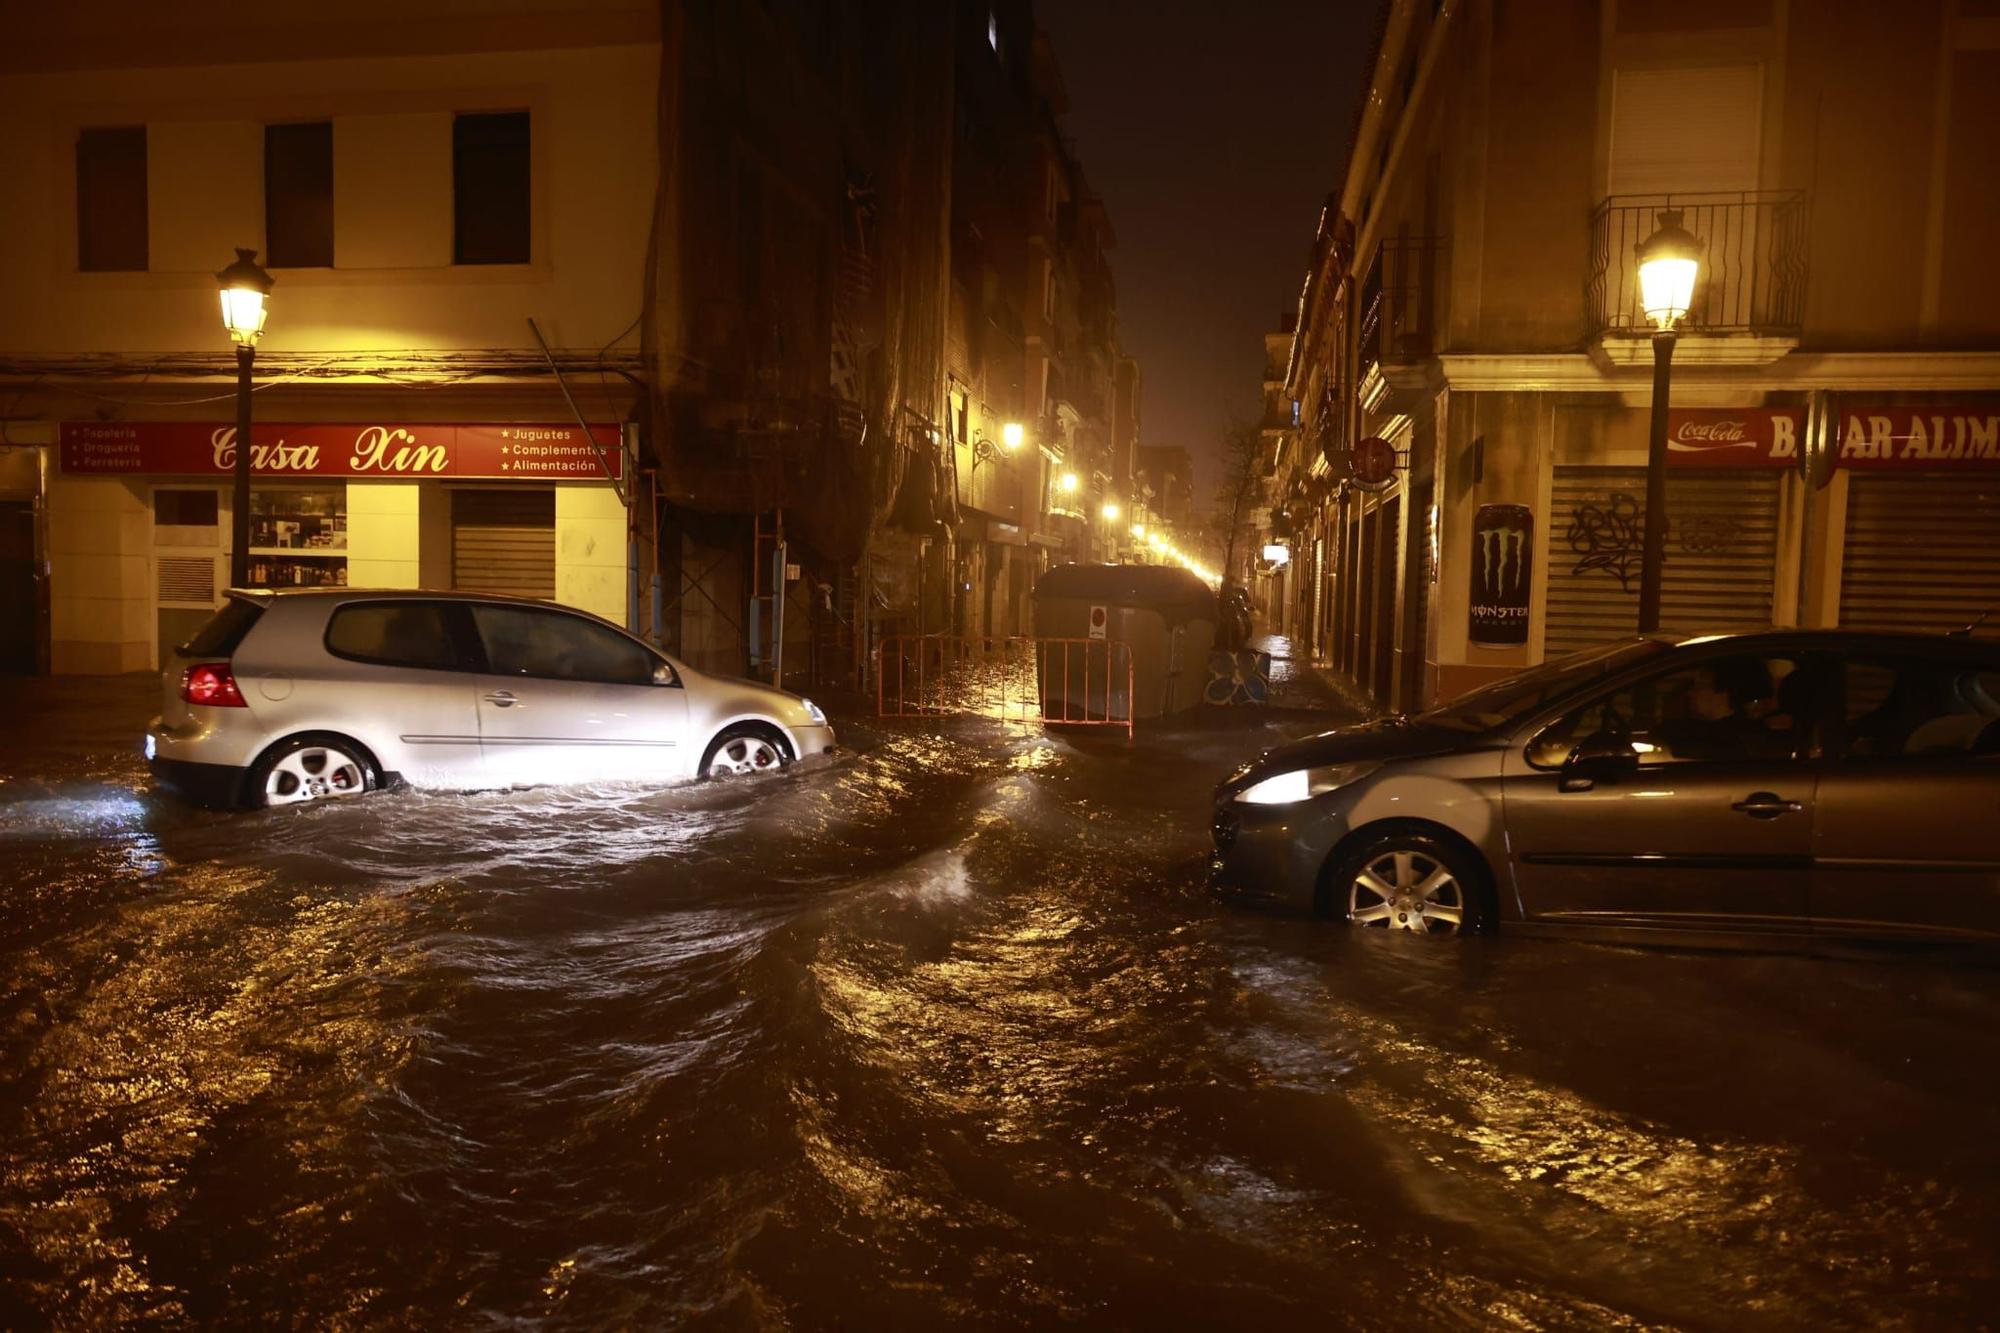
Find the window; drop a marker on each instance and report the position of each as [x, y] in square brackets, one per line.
[1728, 709]
[111, 200]
[225, 630]
[1908, 706]
[185, 509]
[489, 162]
[521, 641]
[298, 195]
[405, 634]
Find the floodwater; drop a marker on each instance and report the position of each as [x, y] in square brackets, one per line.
[944, 1031]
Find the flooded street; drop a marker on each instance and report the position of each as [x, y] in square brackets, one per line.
[945, 1030]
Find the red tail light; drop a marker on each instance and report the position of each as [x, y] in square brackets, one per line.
[213, 684]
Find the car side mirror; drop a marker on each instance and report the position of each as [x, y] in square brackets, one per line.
[664, 675]
[1600, 757]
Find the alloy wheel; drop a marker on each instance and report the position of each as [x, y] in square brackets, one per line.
[314, 773]
[1407, 890]
[745, 754]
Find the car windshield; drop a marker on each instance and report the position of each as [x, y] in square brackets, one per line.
[1516, 696]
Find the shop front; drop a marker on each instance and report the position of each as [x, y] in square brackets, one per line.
[140, 517]
[1915, 497]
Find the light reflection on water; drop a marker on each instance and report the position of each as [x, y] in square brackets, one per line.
[943, 1029]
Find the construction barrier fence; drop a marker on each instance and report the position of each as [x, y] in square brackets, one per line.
[1055, 682]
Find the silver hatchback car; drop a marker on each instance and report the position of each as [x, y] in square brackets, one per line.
[286, 697]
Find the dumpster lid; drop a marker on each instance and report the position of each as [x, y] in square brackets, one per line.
[1154, 587]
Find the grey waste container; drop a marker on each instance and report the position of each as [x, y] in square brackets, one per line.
[1164, 617]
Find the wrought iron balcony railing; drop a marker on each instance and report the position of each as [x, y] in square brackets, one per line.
[1397, 301]
[1753, 269]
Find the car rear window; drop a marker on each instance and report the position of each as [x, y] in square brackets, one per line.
[407, 634]
[224, 632]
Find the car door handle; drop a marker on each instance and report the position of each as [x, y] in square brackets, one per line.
[502, 699]
[1766, 805]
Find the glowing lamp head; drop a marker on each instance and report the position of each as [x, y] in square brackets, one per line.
[1011, 436]
[1669, 262]
[1069, 483]
[1111, 511]
[1139, 532]
[245, 286]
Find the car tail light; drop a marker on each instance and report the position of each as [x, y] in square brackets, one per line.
[211, 683]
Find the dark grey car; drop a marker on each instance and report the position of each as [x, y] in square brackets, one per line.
[1781, 783]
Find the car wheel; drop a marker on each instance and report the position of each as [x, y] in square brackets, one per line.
[742, 750]
[311, 768]
[1409, 880]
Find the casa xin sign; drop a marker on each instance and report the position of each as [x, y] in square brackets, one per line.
[507, 452]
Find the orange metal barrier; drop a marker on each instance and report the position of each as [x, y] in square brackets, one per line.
[1058, 682]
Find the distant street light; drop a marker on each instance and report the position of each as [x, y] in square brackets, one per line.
[1111, 511]
[245, 287]
[1011, 436]
[1069, 483]
[1669, 263]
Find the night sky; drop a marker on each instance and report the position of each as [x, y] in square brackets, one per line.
[1212, 131]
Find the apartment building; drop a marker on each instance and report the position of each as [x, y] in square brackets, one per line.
[419, 185]
[1472, 371]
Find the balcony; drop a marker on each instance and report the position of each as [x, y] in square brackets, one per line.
[1397, 306]
[1750, 300]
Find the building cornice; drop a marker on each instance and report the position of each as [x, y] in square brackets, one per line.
[1579, 372]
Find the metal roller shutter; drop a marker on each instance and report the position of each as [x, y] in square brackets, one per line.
[1922, 551]
[1722, 553]
[504, 541]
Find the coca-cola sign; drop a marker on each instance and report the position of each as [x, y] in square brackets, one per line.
[1734, 436]
[506, 451]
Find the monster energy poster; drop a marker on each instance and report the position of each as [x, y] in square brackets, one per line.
[1502, 543]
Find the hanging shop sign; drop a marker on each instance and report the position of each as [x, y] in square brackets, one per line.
[507, 452]
[1502, 551]
[1734, 436]
[1374, 461]
[1926, 436]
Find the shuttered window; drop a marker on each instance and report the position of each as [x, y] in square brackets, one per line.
[1686, 130]
[1922, 551]
[1722, 553]
[186, 579]
[504, 541]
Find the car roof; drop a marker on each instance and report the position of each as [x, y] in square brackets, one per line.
[1780, 636]
[265, 596]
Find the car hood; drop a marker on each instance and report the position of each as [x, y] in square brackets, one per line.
[1393, 737]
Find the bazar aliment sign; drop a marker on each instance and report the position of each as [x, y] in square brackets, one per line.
[1870, 437]
[318, 450]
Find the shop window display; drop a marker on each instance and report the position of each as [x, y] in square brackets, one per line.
[298, 537]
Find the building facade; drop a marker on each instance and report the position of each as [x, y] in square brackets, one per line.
[419, 191]
[1473, 375]
[707, 319]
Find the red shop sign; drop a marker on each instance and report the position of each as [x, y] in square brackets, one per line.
[1924, 436]
[507, 451]
[1734, 436]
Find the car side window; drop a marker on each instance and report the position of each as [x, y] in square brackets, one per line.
[525, 641]
[400, 633]
[1749, 707]
[1911, 706]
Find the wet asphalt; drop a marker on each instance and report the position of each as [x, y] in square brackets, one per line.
[945, 1030]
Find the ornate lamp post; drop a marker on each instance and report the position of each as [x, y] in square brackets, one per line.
[1669, 262]
[244, 289]
[985, 451]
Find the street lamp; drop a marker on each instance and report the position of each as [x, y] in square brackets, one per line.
[1669, 262]
[245, 287]
[1011, 436]
[1110, 511]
